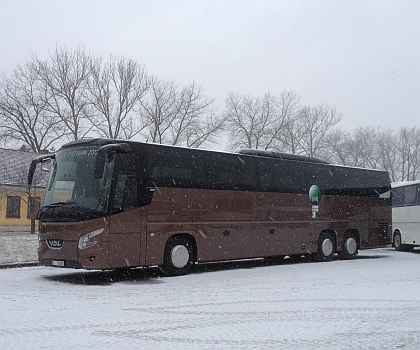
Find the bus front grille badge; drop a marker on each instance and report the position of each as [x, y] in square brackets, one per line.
[55, 243]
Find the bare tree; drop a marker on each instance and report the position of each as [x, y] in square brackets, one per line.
[289, 139]
[257, 122]
[24, 116]
[66, 76]
[408, 149]
[245, 119]
[387, 157]
[311, 130]
[362, 148]
[287, 112]
[376, 148]
[157, 110]
[206, 130]
[339, 147]
[116, 89]
[178, 116]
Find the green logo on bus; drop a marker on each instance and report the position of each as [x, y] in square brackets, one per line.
[314, 195]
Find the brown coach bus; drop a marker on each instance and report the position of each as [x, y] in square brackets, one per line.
[115, 204]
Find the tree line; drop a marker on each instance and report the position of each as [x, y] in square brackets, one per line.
[73, 94]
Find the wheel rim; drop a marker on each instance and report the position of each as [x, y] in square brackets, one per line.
[397, 240]
[351, 246]
[327, 247]
[180, 256]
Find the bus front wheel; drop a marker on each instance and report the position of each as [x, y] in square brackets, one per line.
[326, 247]
[178, 257]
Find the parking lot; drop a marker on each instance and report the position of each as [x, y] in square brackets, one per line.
[371, 302]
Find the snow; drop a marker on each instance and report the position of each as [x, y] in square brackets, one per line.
[18, 247]
[372, 302]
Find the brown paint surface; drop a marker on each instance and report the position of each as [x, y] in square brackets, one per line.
[224, 224]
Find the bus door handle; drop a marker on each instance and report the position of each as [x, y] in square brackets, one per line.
[151, 189]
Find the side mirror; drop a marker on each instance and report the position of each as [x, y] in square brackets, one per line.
[103, 153]
[40, 159]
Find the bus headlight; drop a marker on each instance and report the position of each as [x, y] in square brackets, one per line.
[86, 240]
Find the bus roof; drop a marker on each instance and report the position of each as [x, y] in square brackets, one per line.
[244, 152]
[249, 152]
[404, 183]
[279, 155]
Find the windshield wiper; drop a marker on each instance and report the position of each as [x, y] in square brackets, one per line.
[61, 204]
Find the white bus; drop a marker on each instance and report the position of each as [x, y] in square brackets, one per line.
[406, 215]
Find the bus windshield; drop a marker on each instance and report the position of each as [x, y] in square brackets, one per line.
[72, 193]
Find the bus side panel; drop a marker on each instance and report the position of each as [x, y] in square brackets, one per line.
[405, 219]
[223, 241]
[218, 221]
[127, 230]
[240, 224]
[281, 224]
[369, 216]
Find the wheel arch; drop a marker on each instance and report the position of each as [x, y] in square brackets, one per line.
[186, 236]
[179, 255]
[324, 251]
[396, 231]
[352, 232]
[330, 232]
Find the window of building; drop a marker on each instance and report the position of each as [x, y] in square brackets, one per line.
[13, 207]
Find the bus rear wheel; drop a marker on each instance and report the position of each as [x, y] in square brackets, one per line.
[326, 247]
[350, 247]
[178, 257]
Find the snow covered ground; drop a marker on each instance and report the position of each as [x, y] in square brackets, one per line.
[372, 302]
[17, 246]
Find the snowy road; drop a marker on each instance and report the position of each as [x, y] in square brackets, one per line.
[372, 302]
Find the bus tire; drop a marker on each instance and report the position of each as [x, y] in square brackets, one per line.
[350, 246]
[397, 243]
[178, 258]
[326, 247]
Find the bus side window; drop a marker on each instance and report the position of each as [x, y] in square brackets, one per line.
[230, 172]
[125, 193]
[410, 195]
[418, 194]
[130, 193]
[398, 197]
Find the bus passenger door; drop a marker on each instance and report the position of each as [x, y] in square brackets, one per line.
[126, 225]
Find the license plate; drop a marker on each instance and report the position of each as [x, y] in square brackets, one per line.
[59, 263]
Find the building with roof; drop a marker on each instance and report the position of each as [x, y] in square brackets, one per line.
[19, 203]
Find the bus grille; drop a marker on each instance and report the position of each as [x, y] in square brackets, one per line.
[383, 234]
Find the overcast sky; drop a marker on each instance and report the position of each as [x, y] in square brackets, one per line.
[361, 57]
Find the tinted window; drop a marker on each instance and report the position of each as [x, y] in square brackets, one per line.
[177, 168]
[276, 175]
[410, 195]
[398, 197]
[230, 172]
